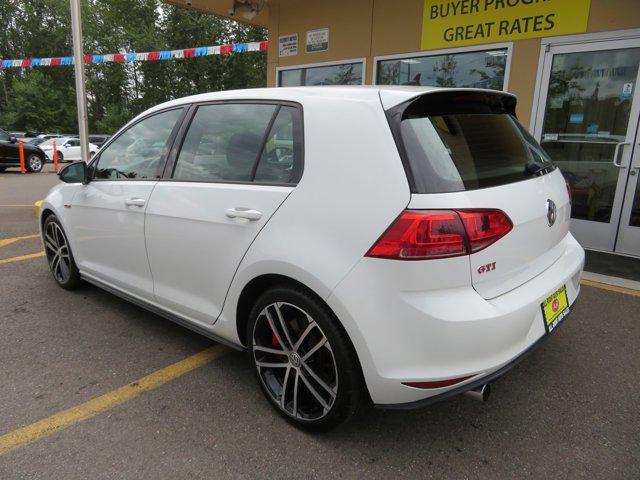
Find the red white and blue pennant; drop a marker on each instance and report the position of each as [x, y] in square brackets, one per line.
[140, 57]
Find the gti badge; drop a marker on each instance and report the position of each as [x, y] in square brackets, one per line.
[551, 212]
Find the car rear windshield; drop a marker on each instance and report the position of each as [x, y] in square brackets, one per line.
[457, 141]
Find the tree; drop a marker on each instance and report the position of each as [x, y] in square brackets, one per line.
[115, 92]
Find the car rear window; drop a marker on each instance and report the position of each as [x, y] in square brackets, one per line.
[457, 141]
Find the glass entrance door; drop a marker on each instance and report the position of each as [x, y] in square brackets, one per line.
[588, 122]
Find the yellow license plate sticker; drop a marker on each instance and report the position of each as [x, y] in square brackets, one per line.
[555, 308]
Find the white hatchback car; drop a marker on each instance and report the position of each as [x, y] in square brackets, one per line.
[68, 149]
[397, 244]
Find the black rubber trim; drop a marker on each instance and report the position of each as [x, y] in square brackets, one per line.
[478, 381]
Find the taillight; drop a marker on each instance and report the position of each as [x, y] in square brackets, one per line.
[429, 234]
[484, 227]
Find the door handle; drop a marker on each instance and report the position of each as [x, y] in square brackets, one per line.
[246, 213]
[616, 152]
[135, 202]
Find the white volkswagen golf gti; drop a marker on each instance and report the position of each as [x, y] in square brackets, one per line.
[398, 245]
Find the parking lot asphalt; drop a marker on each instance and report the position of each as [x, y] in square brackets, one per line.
[569, 410]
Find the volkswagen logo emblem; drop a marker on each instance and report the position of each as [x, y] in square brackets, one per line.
[551, 212]
[295, 359]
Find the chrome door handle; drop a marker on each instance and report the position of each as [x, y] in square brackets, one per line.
[246, 213]
[135, 202]
[616, 152]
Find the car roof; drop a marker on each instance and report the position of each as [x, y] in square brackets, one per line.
[390, 95]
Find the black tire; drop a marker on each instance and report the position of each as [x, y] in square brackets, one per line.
[60, 157]
[345, 394]
[59, 256]
[2, 169]
[35, 163]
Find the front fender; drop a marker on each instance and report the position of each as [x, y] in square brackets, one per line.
[55, 201]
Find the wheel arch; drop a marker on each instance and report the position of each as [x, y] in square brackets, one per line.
[260, 284]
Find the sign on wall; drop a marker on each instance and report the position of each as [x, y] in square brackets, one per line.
[318, 40]
[288, 45]
[454, 23]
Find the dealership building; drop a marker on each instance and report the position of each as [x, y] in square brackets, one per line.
[573, 65]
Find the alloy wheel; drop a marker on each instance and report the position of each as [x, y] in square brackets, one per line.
[35, 163]
[57, 252]
[295, 362]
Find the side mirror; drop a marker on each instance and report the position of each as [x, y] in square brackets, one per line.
[66, 145]
[76, 172]
[12, 139]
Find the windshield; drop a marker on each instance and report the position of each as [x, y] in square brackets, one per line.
[468, 148]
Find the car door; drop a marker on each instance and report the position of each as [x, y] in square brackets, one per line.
[9, 152]
[238, 162]
[5, 139]
[108, 213]
[71, 149]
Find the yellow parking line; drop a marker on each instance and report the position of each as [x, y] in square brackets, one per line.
[73, 415]
[613, 288]
[9, 241]
[22, 257]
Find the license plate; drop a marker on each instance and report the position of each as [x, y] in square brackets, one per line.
[555, 308]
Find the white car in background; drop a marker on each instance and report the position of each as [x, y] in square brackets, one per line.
[68, 149]
[397, 244]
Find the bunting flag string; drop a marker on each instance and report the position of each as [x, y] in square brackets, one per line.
[140, 57]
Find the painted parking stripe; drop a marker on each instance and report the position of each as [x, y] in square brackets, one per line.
[8, 241]
[66, 418]
[613, 288]
[22, 257]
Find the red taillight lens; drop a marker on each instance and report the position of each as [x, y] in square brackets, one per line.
[417, 235]
[428, 234]
[484, 227]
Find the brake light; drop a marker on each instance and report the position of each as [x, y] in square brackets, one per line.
[429, 234]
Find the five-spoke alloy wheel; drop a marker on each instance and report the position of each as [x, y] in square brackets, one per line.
[305, 366]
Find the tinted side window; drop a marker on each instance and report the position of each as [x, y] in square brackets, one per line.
[281, 157]
[73, 143]
[223, 142]
[137, 152]
[4, 136]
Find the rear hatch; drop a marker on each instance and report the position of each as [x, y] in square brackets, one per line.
[464, 150]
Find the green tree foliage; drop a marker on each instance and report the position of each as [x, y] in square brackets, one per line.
[43, 98]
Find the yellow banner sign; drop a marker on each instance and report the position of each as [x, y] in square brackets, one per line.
[453, 23]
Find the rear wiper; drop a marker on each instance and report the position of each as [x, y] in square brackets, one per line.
[534, 168]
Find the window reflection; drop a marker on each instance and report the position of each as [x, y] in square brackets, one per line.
[587, 114]
[137, 153]
[346, 74]
[483, 69]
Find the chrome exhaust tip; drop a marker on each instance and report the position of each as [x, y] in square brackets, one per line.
[480, 393]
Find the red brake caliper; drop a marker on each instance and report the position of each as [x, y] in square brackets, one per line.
[274, 340]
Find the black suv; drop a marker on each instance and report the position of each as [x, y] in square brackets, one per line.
[34, 157]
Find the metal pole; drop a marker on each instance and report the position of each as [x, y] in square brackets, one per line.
[78, 64]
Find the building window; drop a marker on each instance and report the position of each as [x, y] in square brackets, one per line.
[476, 69]
[342, 74]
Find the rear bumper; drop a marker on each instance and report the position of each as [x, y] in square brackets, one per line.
[442, 331]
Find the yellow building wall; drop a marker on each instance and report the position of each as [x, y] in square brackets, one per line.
[368, 28]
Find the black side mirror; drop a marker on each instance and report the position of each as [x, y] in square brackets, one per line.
[76, 172]
[12, 139]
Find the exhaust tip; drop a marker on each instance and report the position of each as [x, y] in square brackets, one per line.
[481, 393]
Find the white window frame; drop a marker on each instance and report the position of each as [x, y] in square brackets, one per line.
[449, 51]
[363, 61]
